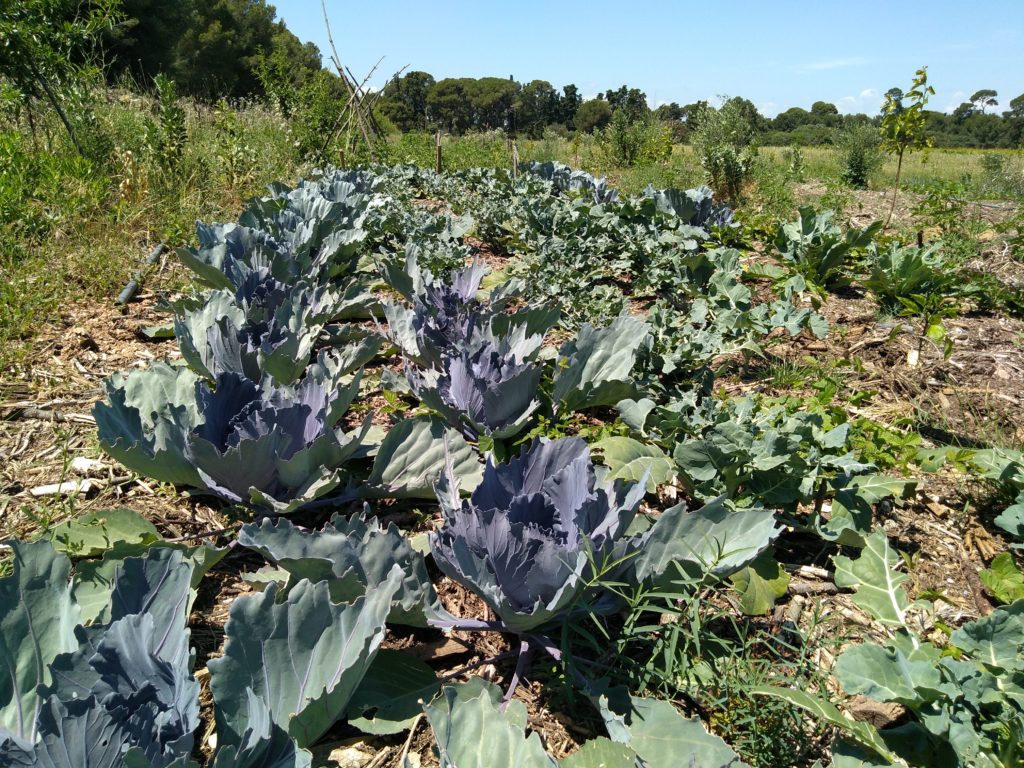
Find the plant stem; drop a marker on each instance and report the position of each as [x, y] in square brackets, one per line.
[60, 111]
[896, 188]
[525, 653]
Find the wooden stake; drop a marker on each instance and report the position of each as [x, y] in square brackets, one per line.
[354, 100]
[437, 145]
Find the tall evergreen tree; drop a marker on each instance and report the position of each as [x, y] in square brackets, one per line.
[404, 101]
[146, 41]
[569, 103]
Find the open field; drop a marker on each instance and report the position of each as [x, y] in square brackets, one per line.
[966, 167]
[814, 429]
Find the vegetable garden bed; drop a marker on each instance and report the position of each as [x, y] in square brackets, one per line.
[531, 475]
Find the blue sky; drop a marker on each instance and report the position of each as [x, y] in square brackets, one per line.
[777, 53]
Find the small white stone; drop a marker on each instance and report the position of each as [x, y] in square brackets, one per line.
[80, 465]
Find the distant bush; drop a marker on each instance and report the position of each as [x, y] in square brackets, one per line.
[796, 167]
[812, 135]
[314, 119]
[722, 141]
[629, 142]
[774, 198]
[166, 138]
[1002, 175]
[593, 114]
[859, 147]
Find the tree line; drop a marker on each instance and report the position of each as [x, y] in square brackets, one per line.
[210, 48]
[236, 48]
[417, 101]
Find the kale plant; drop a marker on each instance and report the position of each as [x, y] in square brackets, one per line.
[818, 249]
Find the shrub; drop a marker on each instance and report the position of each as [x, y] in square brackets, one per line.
[593, 114]
[1002, 175]
[796, 168]
[859, 146]
[314, 119]
[635, 142]
[722, 142]
[773, 195]
[167, 138]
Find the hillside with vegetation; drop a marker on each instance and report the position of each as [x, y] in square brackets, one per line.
[470, 423]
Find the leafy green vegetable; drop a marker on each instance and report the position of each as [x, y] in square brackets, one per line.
[596, 369]
[816, 246]
[391, 695]
[95, 580]
[94, 533]
[876, 580]
[313, 654]
[631, 460]
[661, 737]
[713, 539]
[905, 271]
[1003, 579]
[35, 604]
[472, 731]
[122, 691]
[760, 584]
[967, 705]
[412, 457]
[351, 555]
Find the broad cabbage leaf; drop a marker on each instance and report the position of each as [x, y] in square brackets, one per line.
[352, 555]
[312, 655]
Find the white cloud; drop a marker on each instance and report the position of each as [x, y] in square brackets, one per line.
[866, 102]
[955, 100]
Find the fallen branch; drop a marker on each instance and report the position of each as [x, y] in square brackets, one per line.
[45, 414]
[810, 588]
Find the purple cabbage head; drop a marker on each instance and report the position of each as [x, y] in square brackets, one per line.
[527, 540]
[263, 327]
[264, 443]
[446, 314]
[482, 391]
[261, 445]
